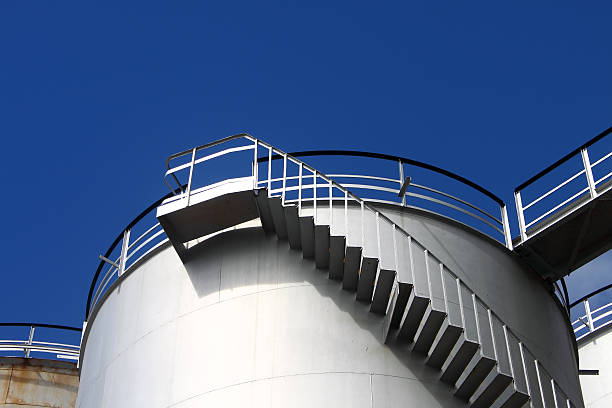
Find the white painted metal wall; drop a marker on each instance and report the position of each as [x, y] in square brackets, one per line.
[596, 353]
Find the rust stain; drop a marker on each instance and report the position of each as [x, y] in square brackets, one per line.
[42, 386]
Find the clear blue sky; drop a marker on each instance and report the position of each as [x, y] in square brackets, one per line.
[94, 97]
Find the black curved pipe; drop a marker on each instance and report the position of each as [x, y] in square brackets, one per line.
[564, 159]
[591, 294]
[50, 326]
[383, 156]
[118, 239]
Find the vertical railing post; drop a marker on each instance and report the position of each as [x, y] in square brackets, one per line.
[520, 215]
[30, 340]
[314, 196]
[193, 154]
[587, 309]
[269, 170]
[506, 226]
[284, 177]
[301, 169]
[255, 167]
[378, 236]
[401, 179]
[589, 172]
[346, 215]
[124, 249]
[362, 227]
[81, 343]
[331, 210]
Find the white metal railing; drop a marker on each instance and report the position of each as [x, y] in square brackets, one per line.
[298, 183]
[372, 188]
[557, 194]
[591, 319]
[29, 345]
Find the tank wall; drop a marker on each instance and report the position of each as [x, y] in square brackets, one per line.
[247, 319]
[37, 383]
[246, 322]
[516, 294]
[596, 354]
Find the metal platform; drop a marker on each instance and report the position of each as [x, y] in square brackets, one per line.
[570, 233]
[197, 213]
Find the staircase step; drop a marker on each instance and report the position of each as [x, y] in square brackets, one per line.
[350, 277]
[458, 359]
[443, 344]
[428, 329]
[367, 277]
[511, 398]
[278, 217]
[382, 292]
[400, 305]
[490, 389]
[307, 236]
[293, 227]
[473, 375]
[265, 214]
[336, 257]
[415, 309]
[321, 233]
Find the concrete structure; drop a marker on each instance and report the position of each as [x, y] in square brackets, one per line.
[31, 382]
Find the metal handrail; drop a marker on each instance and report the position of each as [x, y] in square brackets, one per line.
[589, 189]
[500, 224]
[328, 185]
[61, 350]
[592, 320]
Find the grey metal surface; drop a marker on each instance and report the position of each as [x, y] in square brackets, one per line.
[245, 321]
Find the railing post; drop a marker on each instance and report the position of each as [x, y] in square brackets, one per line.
[124, 249]
[255, 167]
[300, 189]
[346, 215]
[331, 210]
[193, 153]
[269, 170]
[378, 235]
[520, 215]
[284, 177]
[587, 308]
[401, 179]
[589, 172]
[30, 339]
[314, 197]
[81, 343]
[506, 226]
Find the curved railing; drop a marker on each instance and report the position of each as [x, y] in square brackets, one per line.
[565, 186]
[28, 346]
[399, 184]
[592, 312]
[141, 236]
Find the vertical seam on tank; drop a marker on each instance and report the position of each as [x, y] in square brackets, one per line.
[371, 392]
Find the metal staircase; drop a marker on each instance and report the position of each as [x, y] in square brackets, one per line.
[425, 306]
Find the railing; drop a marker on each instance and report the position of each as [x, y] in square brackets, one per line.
[328, 201]
[139, 238]
[400, 186]
[29, 347]
[592, 312]
[565, 186]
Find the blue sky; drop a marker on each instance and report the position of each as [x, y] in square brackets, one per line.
[94, 97]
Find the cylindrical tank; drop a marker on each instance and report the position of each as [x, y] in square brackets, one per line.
[596, 354]
[32, 382]
[247, 321]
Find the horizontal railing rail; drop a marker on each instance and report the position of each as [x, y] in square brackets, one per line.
[589, 319]
[556, 193]
[118, 258]
[26, 346]
[395, 192]
[322, 194]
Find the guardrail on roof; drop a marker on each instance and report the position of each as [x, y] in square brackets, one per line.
[29, 346]
[589, 319]
[554, 195]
